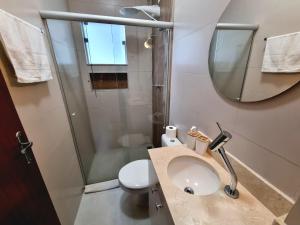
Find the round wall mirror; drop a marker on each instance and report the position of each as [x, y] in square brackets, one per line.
[237, 51]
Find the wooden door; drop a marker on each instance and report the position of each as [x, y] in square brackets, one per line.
[24, 199]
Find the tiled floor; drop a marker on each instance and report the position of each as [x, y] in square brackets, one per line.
[106, 164]
[112, 207]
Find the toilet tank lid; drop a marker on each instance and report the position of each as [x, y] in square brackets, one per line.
[166, 141]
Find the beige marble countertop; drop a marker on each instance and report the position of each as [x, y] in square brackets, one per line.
[214, 209]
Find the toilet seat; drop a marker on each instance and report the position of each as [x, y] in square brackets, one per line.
[138, 175]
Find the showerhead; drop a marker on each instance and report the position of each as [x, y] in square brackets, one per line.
[152, 11]
[129, 11]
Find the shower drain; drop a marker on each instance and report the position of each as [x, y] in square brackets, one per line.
[189, 190]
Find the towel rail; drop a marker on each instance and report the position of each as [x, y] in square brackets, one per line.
[236, 26]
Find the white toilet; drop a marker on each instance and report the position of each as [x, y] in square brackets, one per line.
[136, 177]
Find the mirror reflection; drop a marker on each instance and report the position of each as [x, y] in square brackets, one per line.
[253, 53]
[228, 60]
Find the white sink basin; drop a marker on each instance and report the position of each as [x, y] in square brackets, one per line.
[193, 175]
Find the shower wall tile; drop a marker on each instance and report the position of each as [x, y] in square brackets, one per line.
[109, 128]
[109, 8]
[166, 9]
[139, 117]
[103, 127]
[265, 134]
[139, 58]
[140, 88]
[144, 54]
[112, 2]
[132, 49]
[117, 114]
[92, 8]
[67, 62]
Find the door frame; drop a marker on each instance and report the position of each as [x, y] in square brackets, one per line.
[30, 163]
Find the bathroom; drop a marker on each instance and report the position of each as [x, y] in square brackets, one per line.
[88, 150]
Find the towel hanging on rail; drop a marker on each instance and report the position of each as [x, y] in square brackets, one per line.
[25, 46]
[282, 54]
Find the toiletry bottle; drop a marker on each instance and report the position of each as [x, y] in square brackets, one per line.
[201, 144]
[191, 138]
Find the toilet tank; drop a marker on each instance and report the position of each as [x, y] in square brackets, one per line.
[166, 141]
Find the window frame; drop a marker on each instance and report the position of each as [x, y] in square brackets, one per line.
[87, 61]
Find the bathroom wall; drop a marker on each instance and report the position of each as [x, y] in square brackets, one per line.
[266, 134]
[119, 117]
[43, 115]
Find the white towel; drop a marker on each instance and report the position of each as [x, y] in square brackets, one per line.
[25, 47]
[282, 54]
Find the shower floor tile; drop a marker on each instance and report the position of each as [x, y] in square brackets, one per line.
[111, 207]
[106, 164]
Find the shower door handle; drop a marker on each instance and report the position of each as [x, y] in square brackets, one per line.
[25, 146]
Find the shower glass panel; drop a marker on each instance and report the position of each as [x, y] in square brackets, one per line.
[63, 45]
[228, 61]
[117, 98]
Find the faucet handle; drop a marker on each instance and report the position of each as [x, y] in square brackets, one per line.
[224, 132]
[219, 126]
[220, 140]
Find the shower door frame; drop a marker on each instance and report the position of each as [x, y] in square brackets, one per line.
[79, 17]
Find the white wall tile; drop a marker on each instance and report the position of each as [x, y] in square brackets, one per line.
[92, 8]
[115, 113]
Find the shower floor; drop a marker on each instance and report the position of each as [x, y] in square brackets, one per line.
[107, 164]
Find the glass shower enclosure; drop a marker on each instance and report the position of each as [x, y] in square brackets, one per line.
[106, 76]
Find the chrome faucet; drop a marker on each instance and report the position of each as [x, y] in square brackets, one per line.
[217, 146]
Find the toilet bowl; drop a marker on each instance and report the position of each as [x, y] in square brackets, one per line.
[136, 177]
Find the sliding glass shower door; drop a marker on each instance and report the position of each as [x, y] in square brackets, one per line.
[110, 67]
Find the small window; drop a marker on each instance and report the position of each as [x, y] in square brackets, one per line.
[104, 43]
